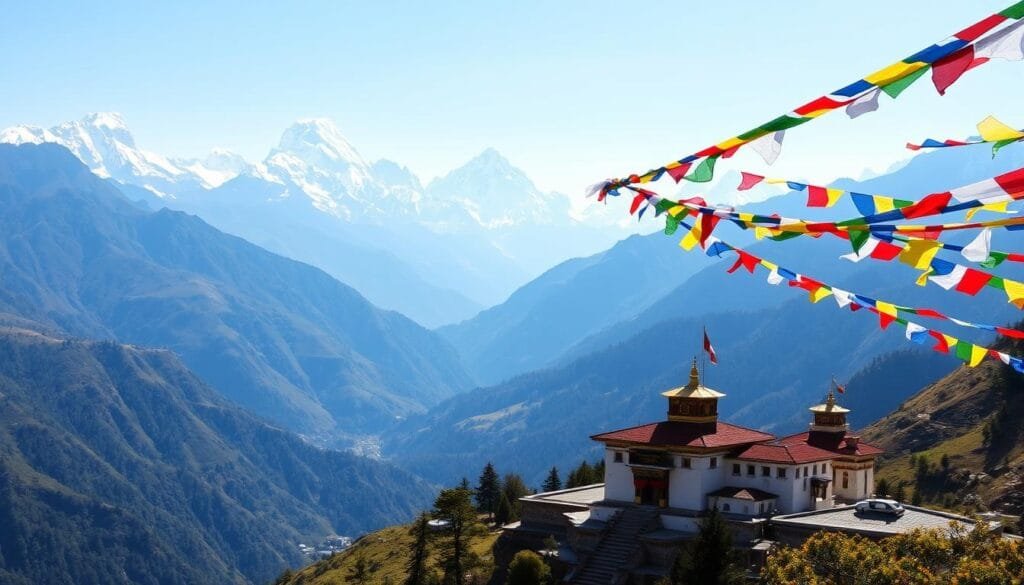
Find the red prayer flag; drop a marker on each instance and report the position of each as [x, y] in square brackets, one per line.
[709, 349]
[840, 388]
[748, 181]
[948, 69]
[973, 281]
[677, 173]
[930, 205]
[817, 196]
[885, 251]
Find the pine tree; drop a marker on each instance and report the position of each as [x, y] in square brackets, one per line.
[488, 492]
[710, 559]
[514, 488]
[916, 498]
[882, 488]
[455, 506]
[553, 483]
[504, 513]
[900, 493]
[416, 570]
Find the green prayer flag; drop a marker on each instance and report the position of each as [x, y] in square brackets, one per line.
[858, 239]
[994, 259]
[1015, 12]
[1002, 143]
[671, 224]
[895, 88]
[704, 172]
[963, 350]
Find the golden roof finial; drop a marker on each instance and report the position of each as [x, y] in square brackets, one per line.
[694, 376]
[830, 400]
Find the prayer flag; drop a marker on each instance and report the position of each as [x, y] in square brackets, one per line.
[709, 349]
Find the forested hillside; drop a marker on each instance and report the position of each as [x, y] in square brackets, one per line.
[118, 465]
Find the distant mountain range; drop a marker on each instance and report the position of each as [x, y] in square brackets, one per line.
[279, 337]
[461, 243]
[117, 465]
[778, 352]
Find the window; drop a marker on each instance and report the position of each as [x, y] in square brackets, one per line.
[766, 471]
[798, 473]
[780, 472]
[750, 470]
[846, 480]
[618, 456]
[760, 508]
[815, 469]
[805, 482]
[725, 507]
[806, 469]
[686, 462]
[735, 468]
[714, 463]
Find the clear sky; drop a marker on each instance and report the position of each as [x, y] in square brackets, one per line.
[570, 91]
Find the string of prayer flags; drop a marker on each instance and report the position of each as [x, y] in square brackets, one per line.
[888, 313]
[995, 37]
[991, 130]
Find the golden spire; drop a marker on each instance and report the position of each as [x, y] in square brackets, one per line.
[830, 400]
[694, 377]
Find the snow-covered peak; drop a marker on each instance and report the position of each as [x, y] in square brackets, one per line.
[318, 142]
[219, 167]
[26, 135]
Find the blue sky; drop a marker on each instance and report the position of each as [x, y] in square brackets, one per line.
[571, 92]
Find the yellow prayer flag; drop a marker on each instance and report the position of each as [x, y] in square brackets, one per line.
[950, 340]
[769, 265]
[923, 279]
[993, 130]
[893, 72]
[883, 203]
[772, 181]
[1002, 207]
[833, 196]
[820, 293]
[919, 253]
[886, 308]
[1014, 291]
[675, 210]
[761, 233]
[977, 354]
[691, 239]
[730, 143]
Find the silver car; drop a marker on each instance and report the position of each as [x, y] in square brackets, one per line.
[891, 507]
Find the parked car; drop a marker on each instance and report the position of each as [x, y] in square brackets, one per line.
[891, 507]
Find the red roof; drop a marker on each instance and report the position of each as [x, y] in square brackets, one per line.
[832, 442]
[786, 454]
[685, 434]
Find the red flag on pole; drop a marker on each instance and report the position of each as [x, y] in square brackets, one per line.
[840, 388]
[710, 350]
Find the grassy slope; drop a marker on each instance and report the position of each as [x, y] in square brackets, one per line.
[387, 552]
[948, 418]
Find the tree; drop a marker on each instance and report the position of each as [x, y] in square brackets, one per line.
[359, 572]
[416, 570]
[553, 483]
[900, 493]
[944, 462]
[504, 514]
[455, 506]
[882, 487]
[917, 498]
[710, 558]
[527, 568]
[488, 492]
[514, 488]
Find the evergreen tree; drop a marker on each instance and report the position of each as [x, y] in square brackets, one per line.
[944, 462]
[527, 568]
[455, 506]
[488, 492]
[900, 493]
[464, 485]
[504, 513]
[882, 488]
[416, 570]
[916, 498]
[514, 488]
[710, 559]
[553, 483]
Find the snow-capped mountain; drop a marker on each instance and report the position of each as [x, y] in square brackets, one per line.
[492, 194]
[466, 240]
[103, 142]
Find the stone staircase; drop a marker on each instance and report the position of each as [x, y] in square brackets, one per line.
[617, 550]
